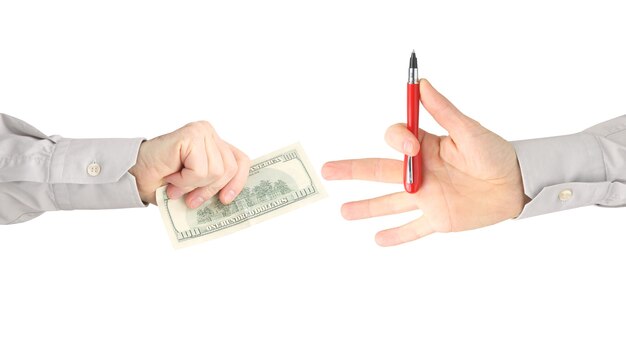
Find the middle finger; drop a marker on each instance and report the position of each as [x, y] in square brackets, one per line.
[374, 169]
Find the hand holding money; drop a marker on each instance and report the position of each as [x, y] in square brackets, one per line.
[278, 182]
[195, 162]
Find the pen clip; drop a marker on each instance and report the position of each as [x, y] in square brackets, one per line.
[409, 170]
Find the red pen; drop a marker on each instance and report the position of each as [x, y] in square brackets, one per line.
[413, 164]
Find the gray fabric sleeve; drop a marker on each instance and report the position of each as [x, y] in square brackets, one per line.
[41, 173]
[565, 172]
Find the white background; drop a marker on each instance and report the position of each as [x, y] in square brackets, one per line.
[332, 76]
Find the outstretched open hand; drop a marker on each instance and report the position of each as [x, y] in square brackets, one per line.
[471, 178]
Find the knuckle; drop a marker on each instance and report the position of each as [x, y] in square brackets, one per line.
[215, 170]
[207, 192]
[198, 128]
[378, 169]
[385, 204]
[370, 209]
[203, 175]
[201, 124]
[231, 171]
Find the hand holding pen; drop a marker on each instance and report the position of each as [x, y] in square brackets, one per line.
[471, 177]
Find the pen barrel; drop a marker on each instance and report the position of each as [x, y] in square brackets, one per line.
[412, 123]
[412, 107]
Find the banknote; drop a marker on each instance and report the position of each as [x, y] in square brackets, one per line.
[277, 183]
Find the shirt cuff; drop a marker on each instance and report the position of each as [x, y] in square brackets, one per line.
[93, 173]
[561, 173]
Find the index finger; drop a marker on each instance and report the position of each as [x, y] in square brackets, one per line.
[236, 184]
[402, 140]
[371, 169]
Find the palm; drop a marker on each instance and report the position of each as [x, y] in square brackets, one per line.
[460, 182]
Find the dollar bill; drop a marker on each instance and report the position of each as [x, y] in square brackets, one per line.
[277, 183]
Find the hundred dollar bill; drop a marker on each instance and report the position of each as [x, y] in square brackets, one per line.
[278, 182]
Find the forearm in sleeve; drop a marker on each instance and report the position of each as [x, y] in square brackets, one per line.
[41, 173]
[565, 172]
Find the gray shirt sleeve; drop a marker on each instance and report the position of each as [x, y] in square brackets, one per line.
[40, 173]
[565, 172]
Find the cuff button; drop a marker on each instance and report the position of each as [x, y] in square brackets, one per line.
[566, 195]
[93, 169]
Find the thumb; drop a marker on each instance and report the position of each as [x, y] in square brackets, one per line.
[444, 112]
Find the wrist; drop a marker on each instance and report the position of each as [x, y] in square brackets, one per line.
[520, 199]
[141, 174]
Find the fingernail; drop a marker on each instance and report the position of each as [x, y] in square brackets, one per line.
[408, 148]
[230, 195]
[175, 193]
[196, 202]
